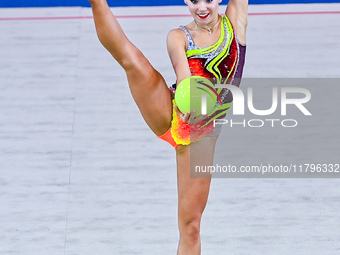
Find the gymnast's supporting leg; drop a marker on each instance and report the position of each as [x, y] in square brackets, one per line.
[147, 86]
[192, 192]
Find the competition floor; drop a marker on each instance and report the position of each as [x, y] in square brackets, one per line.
[81, 173]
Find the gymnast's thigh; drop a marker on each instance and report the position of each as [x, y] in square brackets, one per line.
[150, 93]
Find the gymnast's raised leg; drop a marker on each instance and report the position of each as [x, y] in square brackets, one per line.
[147, 86]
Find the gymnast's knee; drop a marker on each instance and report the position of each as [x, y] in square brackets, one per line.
[133, 60]
[190, 229]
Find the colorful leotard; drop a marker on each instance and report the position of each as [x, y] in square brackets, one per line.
[222, 63]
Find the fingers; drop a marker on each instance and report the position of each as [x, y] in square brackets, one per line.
[198, 119]
[184, 117]
[193, 120]
[192, 117]
[179, 113]
[189, 117]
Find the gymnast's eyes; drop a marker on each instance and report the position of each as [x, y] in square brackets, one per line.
[195, 1]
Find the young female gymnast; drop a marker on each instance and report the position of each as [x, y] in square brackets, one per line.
[206, 47]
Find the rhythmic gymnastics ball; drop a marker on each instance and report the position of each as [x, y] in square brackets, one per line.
[189, 94]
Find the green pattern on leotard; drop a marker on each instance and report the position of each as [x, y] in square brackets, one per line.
[222, 47]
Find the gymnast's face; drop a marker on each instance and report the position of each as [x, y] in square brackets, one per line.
[203, 11]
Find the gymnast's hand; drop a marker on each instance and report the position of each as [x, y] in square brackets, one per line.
[96, 1]
[189, 117]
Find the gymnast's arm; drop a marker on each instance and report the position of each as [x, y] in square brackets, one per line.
[177, 45]
[237, 12]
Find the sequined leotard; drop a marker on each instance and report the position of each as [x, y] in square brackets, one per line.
[222, 63]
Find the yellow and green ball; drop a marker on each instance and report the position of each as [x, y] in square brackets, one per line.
[188, 95]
